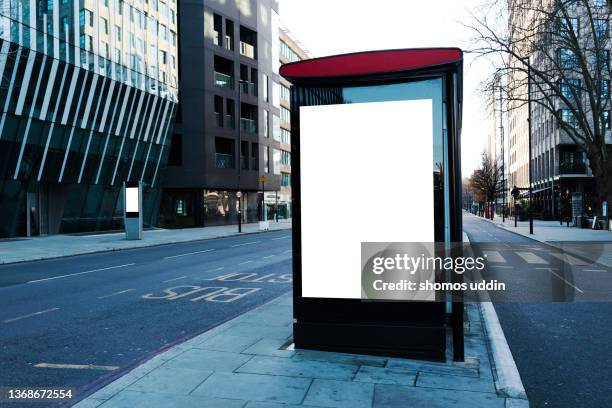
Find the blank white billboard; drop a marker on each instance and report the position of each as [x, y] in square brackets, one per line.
[132, 200]
[366, 176]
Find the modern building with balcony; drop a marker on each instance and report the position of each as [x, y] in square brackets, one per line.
[227, 131]
[88, 95]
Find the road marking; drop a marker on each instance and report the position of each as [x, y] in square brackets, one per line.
[269, 256]
[77, 366]
[494, 256]
[177, 278]
[245, 262]
[14, 319]
[246, 243]
[563, 279]
[531, 258]
[274, 239]
[81, 273]
[594, 270]
[116, 293]
[189, 253]
[569, 259]
[549, 269]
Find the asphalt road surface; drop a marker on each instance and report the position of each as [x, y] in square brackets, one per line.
[563, 349]
[81, 321]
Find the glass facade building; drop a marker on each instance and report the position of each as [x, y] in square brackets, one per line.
[88, 95]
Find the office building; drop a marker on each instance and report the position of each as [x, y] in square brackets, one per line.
[88, 94]
[228, 136]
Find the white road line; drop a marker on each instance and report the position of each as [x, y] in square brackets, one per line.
[14, 319]
[569, 259]
[594, 270]
[77, 366]
[531, 258]
[216, 269]
[245, 262]
[189, 253]
[177, 278]
[81, 273]
[116, 293]
[269, 256]
[274, 239]
[246, 243]
[494, 256]
[568, 283]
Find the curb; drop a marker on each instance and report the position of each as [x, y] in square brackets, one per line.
[508, 381]
[157, 244]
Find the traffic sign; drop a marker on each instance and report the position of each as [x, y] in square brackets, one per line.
[262, 179]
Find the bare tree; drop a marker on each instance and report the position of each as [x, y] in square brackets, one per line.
[556, 54]
[484, 181]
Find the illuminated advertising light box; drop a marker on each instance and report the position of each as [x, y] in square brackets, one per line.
[375, 159]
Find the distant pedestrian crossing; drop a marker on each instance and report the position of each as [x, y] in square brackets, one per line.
[530, 257]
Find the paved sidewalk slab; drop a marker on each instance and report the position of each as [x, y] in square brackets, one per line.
[55, 246]
[246, 362]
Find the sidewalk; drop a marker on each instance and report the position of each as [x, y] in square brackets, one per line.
[595, 245]
[249, 362]
[54, 246]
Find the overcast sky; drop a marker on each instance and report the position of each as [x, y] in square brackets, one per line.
[328, 27]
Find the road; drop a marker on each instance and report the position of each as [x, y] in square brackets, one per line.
[81, 321]
[562, 349]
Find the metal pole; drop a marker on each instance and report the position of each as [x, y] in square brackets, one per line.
[240, 214]
[501, 129]
[530, 158]
[515, 219]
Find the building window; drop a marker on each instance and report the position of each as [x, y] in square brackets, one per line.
[217, 29]
[255, 156]
[244, 155]
[104, 25]
[276, 127]
[566, 26]
[86, 18]
[117, 55]
[288, 53]
[229, 114]
[117, 34]
[285, 179]
[224, 153]
[219, 111]
[285, 115]
[567, 58]
[277, 161]
[605, 89]
[163, 57]
[229, 35]
[601, 28]
[571, 88]
[286, 158]
[266, 159]
[248, 43]
[285, 136]
[605, 118]
[265, 88]
[266, 123]
[568, 117]
[285, 93]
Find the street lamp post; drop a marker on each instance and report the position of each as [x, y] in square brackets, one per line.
[239, 196]
[530, 212]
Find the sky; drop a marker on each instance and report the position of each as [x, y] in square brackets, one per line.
[327, 27]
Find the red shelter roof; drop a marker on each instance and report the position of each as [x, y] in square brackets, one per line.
[371, 62]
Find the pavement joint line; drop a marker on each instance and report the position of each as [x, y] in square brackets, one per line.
[568, 283]
[14, 319]
[77, 366]
[80, 273]
[246, 243]
[174, 279]
[116, 293]
[189, 253]
[245, 262]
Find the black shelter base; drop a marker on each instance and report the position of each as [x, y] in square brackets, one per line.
[405, 341]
